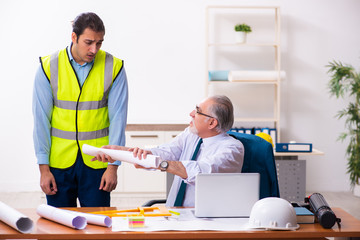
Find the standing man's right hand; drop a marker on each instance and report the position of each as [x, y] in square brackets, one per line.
[47, 180]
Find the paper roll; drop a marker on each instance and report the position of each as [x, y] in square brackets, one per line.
[15, 219]
[255, 75]
[95, 219]
[61, 216]
[151, 161]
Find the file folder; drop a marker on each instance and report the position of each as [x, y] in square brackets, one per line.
[293, 147]
[241, 130]
[271, 131]
[257, 130]
[273, 134]
[266, 130]
[248, 130]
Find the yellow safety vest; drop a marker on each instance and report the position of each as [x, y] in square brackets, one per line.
[80, 114]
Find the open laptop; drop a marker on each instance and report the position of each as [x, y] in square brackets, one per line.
[226, 194]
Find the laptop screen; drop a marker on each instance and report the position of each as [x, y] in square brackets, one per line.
[226, 194]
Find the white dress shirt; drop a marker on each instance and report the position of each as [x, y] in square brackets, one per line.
[219, 154]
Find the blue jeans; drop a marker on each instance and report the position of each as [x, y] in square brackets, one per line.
[78, 181]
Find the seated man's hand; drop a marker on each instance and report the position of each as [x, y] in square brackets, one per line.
[140, 153]
[147, 168]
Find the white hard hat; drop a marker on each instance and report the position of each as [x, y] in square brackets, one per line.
[273, 214]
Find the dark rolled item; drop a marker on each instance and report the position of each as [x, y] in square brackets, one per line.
[322, 210]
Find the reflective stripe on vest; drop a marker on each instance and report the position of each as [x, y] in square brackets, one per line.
[80, 114]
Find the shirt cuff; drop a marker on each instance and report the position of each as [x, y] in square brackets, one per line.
[192, 170]
[117, 163]
[42, 159]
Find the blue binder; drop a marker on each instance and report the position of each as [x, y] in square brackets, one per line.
[293, 147]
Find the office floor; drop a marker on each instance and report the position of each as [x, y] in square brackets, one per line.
[344, 200]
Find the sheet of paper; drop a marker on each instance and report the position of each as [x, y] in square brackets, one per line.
[95, 219]
[186, 221]
[61, 216]
[151, 161]
[15, 219]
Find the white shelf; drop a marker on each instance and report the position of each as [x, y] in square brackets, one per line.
[314, 152]
[256, 120]
[244, 45]
[220, 44]
[246, 81]
[244, 7]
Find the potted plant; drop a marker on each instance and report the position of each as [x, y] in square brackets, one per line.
[345, 80]
[241, 30]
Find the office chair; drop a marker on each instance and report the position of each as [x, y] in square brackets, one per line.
[258, 158]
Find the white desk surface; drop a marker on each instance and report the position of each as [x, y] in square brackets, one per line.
[313, 153]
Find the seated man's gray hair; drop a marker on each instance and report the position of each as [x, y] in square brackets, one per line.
[223, 111]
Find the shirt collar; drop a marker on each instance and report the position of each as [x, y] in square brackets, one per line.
[72, 60]
[210, 140]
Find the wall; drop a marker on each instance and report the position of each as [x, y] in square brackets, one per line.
[163, 45]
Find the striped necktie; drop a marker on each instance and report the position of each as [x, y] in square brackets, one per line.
[181, 193]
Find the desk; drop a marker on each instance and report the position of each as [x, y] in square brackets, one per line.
[296, 154]
[45, 229]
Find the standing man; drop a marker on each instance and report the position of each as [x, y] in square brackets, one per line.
[80, 96]
[204, 147]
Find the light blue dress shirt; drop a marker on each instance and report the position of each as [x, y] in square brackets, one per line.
[43, 107]
[218, 154]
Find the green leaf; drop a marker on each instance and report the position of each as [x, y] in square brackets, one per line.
[344, 83]
[242, 28]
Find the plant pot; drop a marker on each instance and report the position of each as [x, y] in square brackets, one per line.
[240, 37]
[356, 190]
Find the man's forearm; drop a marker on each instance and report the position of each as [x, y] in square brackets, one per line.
[177, 168]
[112, 168]
[44, 168]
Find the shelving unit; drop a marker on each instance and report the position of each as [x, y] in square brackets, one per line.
[220, 21]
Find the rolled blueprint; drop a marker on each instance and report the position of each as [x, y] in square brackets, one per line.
[61, 216]
[255, 75]
[95, 219]
[151, 161]
[15, 219]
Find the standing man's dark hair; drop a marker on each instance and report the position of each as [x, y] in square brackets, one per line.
[80, 97]
[87, 20]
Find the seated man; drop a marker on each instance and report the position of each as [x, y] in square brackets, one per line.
[216, 152]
